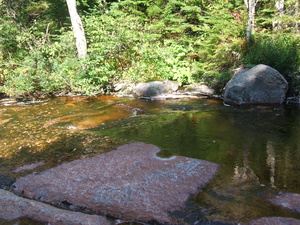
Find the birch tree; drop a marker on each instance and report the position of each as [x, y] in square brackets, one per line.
[250, 4]
[296, 15]
[279, 5]
[77, 29]
[287, 15]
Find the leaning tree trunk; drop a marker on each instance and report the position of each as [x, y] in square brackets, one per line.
[77, 29]
[250, 4]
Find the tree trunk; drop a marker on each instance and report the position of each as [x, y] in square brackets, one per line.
[297, 27]
[250, 4]
[77, 29]
[279, 5]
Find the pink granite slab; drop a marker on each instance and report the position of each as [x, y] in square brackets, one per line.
[13, 207]
[130, 183]
[275, 221]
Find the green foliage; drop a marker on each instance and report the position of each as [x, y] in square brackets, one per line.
[131, 48]
[48, 67]
[281, 51]
[176, 40]
[186, 41]
[268, 18]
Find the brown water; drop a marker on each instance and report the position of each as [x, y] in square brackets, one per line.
[258, 148]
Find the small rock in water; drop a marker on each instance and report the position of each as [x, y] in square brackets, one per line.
[155, 88]
[130, 183]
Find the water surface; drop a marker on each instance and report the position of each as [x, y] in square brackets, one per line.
[257, 148]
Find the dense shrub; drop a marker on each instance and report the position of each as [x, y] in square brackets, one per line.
[47, 68]
[282, 52]
[131, 47]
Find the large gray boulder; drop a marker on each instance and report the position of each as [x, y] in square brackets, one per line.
[155, 88]
[130, 183]
[258, 85]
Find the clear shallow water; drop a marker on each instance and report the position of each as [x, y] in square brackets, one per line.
[258, 148]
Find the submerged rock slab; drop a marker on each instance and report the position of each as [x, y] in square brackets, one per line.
[288, 201]
[13, 207]
[131, 183]
[275, 221]
[28, 167]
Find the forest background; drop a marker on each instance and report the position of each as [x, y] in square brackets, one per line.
[143, 40]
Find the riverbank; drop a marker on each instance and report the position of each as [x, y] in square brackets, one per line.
[159, 90]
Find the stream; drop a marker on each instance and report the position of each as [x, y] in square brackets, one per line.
[257, 147]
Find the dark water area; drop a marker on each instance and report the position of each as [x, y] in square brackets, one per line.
[257, 147]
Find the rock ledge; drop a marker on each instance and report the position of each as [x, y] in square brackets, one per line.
[130, 183]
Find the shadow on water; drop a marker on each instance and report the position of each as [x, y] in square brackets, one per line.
[258, 148]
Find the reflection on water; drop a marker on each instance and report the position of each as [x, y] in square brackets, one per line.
[258, 148]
